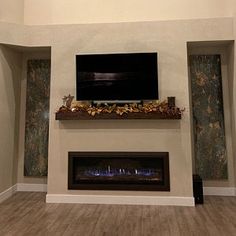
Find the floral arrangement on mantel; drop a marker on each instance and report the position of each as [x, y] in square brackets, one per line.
[70, 106]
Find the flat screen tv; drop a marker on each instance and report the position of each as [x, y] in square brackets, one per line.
[117, 77]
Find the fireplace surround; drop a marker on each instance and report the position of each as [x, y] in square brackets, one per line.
[144, 171]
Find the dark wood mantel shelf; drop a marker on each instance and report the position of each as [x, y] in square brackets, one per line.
[82, 115]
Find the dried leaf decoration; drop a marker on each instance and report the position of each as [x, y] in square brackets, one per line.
[93, 110]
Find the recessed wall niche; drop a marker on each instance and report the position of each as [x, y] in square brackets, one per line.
[210, 75]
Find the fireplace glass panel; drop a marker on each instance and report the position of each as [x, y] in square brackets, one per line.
[121, 171]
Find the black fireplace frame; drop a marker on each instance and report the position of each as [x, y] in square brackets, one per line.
[163, 186]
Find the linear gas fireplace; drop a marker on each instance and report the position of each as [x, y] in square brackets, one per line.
[119, 171]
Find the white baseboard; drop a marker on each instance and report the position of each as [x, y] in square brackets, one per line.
[219, 191]
[7, 193]
[121, 200]
[31, 187]
[108, 199]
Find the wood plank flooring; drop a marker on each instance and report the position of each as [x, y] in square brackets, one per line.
[27, 214]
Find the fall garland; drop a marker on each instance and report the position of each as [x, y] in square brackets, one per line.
[93, 110]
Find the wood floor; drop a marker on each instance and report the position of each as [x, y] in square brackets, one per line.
[27, 214]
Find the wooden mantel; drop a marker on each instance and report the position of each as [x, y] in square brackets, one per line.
[83, 115]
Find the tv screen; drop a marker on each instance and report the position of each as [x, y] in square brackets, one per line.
[117, 77]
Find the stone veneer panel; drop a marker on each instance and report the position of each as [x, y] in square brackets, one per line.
[37, 118]
[208, 116]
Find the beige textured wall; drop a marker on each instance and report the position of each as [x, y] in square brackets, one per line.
[10, 77]
[99, 11]
[12, 11]
[13, 34]
[233, 86]
[169, 40]
[103, 11]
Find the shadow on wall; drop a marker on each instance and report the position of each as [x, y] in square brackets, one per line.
[119, 124]
[11, 62]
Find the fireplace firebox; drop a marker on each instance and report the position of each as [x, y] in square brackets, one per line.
[144, 171]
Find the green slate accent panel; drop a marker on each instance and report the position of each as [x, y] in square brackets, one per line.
[208, 117]
[37, 118]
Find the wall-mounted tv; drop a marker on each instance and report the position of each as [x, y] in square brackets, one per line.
[117, 77]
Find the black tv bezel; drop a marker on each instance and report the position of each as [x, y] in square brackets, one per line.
[118, 100]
